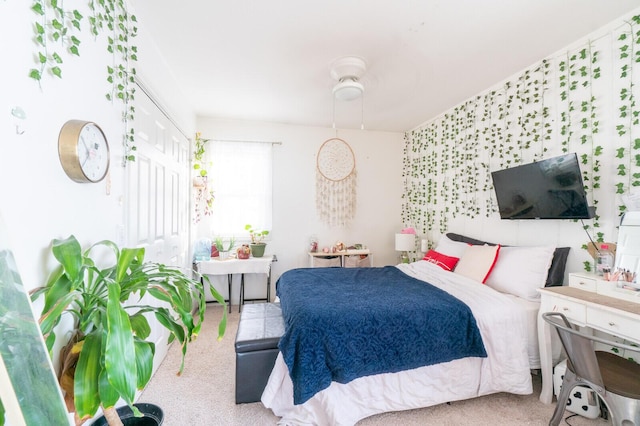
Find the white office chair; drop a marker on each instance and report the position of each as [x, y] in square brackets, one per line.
[616, 380]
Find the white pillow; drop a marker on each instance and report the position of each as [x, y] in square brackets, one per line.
[451, 248]
[477, 262]
[521, 271]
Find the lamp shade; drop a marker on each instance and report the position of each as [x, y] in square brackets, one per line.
[405, 242]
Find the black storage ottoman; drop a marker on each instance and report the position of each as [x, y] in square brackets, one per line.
[259, 331]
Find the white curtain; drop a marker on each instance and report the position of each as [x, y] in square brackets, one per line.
[241, 175]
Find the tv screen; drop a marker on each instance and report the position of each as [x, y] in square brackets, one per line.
[547, 189]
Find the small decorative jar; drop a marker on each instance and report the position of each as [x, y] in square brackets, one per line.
[313, 244]
[243, 252]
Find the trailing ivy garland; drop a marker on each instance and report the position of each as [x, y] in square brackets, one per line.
[56, 28]
[204, 194]
[54, 25]
[628, 154]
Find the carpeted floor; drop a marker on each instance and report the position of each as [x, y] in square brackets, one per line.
[204, 394]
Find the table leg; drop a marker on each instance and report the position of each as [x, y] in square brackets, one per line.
[229, 280]
[269, 286]
[241, 292]
[546, 359]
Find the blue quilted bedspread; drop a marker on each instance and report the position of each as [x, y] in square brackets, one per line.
[345, 323]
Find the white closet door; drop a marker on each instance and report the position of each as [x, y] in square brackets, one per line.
[158, 196]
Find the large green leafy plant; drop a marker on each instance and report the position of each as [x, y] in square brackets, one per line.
[108, 356]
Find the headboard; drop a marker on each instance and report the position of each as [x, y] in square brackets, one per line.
[555, 277]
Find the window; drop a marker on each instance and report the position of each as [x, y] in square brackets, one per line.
[241, 174]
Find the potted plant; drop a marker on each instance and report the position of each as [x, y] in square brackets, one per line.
[204, 195]
[198, 156]
[243, 252]
[222, 249]
[257, 240]
[108, 355]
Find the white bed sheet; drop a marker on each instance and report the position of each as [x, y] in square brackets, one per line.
[503, 326]
[531, 309]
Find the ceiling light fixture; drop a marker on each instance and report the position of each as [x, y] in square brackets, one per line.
[348, 89]
[348, 70]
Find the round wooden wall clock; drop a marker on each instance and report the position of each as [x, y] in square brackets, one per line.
[83, 151]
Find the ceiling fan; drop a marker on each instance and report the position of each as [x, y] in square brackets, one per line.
[348, 70]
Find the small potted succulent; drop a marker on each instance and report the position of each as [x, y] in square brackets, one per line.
[257, 240]
[223, 249]
[243, 252]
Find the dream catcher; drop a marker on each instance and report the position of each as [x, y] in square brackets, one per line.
[336, 183]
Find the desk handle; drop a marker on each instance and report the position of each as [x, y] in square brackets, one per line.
[566, 309]
[611, 323]
[581, 282]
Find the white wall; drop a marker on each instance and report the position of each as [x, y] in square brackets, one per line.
[379, 166]
[38, 202]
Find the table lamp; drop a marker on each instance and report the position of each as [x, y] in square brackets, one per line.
[405, 243]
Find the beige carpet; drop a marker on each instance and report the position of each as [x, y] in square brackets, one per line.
[205, 393]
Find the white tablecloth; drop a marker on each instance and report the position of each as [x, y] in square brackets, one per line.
[253, 265]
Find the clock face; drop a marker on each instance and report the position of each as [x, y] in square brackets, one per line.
[84, 151]
[93, 152]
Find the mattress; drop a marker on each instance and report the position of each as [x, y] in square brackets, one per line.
[503, 325]
[366, 321]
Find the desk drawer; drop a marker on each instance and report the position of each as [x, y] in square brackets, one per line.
[618, 325]
[582, 282]
[576, 312]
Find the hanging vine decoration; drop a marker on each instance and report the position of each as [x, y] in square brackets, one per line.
[489, 137]
[204, 194]
[507, 147]
[432, 198]
[408, 168]
[473, 167]
[459, 181]
[546, 125]
[113, 18]
[55, 25]
[590, 123]
[629, 163]
[580, 122]
[520, 98]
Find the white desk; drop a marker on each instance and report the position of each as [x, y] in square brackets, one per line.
[587, 308]
[228, 267]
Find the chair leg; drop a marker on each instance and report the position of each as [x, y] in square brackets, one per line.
[568, 383]
[623, 411]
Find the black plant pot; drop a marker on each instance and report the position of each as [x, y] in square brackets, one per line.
[153, 416]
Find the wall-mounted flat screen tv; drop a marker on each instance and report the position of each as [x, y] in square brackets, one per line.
[547, 189]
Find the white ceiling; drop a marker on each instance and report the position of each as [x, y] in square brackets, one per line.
[269, 60]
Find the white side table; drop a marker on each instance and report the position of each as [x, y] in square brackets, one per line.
[228, 267]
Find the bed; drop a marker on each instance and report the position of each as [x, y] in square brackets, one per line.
[505, 320]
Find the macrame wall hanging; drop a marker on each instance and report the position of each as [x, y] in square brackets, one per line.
[336, 183]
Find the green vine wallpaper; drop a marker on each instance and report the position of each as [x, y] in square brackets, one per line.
[564, 103]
